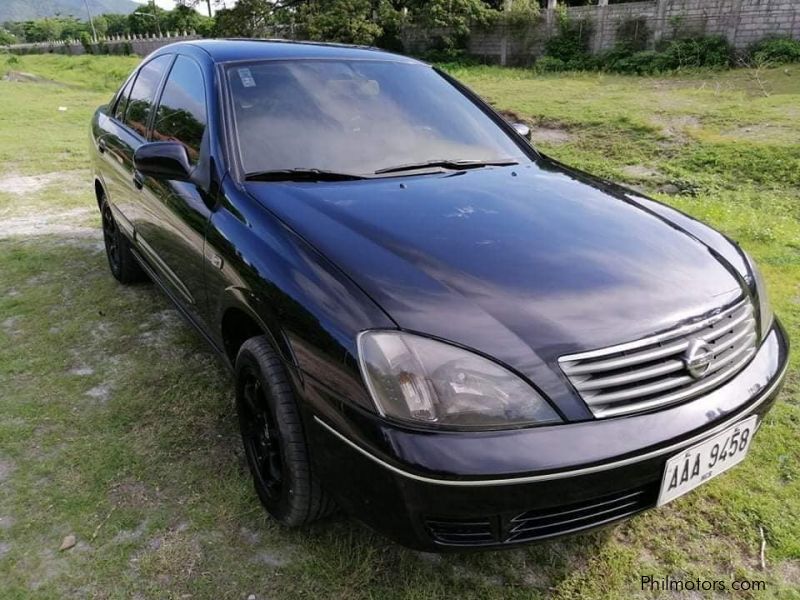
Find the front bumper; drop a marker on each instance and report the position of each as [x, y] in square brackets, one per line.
[456, 490]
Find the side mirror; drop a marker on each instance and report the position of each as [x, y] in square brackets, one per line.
[163, 160]
[523, 130]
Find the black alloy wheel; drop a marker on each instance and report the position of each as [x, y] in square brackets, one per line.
[273, 437]
[261, 438]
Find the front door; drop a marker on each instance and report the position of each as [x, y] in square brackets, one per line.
[171, 226]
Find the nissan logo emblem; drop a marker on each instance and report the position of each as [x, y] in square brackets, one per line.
[698, 358]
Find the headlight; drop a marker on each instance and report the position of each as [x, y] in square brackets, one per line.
[416, 379]
[764, 307]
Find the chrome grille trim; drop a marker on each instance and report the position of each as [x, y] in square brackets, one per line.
[651, 373]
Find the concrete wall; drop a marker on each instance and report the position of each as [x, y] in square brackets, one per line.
[742, 22]
[141, 46]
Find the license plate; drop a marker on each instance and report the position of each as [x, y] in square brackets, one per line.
[698, 464]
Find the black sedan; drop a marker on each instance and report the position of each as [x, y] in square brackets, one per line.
[432, 325]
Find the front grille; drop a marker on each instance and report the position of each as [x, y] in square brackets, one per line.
[652, 373]
[541, 524]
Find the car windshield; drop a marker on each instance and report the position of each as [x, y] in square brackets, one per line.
[358, 117]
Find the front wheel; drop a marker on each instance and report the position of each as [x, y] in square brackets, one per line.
[272, 434]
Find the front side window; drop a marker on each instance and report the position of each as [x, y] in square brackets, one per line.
[143, 93]
[356, 117]
[181, 114]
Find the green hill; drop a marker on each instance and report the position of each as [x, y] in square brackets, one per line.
[24, 10]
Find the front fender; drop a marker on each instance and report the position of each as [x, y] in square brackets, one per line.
[309, 308]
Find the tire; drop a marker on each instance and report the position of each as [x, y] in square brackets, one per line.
[123, 264]
[273, 438]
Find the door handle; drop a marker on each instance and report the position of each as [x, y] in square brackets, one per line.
[101, 146]
[138, 180]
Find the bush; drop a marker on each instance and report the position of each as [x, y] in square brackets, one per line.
[776, 50]
[646, 62]
[550, 64]
[710, 51]
[678, 54]
[450, 58]
[571, 43]
[86, 42]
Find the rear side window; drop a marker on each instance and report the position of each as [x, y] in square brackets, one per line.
[143, 92]
[122, 100]
[181, 115]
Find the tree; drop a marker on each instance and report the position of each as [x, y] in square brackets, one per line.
[194, 3]
[7, 38]
[117, 24]
[42, 30]
[347, 21]
[101, 25]
[247, 18]
[147, 20]
[456, 15]
[184, 18]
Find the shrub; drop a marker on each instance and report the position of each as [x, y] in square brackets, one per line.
[86, 42]
[776, 50]
[450, 58]
[646, 62]
[571, 43]
[550, 64]
[710, 51]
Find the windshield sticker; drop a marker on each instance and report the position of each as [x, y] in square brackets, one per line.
[247, 78]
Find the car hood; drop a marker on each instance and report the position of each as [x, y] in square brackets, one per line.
[522, 263]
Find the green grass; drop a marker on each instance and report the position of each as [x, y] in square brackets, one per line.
[116, 422]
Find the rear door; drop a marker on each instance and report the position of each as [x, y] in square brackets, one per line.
[108, 159]
[171, 226]
[125, 130]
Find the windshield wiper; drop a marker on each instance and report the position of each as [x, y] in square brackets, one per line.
[301, 175]
[449, 164]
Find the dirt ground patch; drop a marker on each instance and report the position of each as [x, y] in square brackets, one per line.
[640, 171]
[49, 223]
[70, 182]
[544, 133]
[760, 133]
[22, 77]
[676, 126]
[550, 135]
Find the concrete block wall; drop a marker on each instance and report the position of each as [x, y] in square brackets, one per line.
[742, 22]
[139, 45]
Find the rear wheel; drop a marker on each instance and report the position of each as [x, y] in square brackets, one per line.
[121, 260]
[272, 434]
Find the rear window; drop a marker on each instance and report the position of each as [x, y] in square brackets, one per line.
[140, 103]
[122, 100]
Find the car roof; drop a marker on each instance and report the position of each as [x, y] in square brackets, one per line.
[229, 50]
